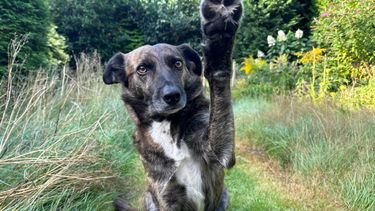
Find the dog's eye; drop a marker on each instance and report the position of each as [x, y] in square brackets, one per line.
[142, 70]
[178, 64]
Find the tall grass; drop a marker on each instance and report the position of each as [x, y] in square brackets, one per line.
[64, 142]
[330, 145]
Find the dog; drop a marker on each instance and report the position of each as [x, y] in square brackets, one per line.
[185, 141]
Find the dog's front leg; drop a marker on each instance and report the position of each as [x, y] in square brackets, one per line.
[220, 21]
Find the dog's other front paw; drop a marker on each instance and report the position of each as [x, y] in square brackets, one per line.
[220, 18]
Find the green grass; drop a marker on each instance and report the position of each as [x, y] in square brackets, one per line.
[249, 192]
[65, 144]
[320, 141]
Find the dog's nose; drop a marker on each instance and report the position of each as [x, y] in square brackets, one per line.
[171, 95]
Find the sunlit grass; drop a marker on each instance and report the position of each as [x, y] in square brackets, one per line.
[65, 143]
[320, 141]
[249, 192]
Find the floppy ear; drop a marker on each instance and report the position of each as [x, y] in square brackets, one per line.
[192, 58]
[115, 70]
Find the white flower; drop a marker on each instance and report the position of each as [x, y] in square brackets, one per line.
[261, 54]
[271, 41]
[281, 37]
[299, 34]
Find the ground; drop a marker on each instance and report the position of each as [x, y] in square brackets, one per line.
[73, 151]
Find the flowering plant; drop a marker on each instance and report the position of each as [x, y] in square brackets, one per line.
[287, 44]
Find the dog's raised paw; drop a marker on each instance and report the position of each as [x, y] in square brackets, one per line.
[220, 16]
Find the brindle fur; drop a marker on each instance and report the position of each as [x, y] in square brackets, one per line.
[206, 127]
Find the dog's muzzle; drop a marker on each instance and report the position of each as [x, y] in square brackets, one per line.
[170, 99]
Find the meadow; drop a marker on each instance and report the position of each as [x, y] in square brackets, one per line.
[303, 98]
[66, 145]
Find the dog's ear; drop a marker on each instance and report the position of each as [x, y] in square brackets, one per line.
[115, 70]
[192, 58]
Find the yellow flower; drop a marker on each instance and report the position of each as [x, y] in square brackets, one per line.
[248, 65]
[315, 55]
[260, 62]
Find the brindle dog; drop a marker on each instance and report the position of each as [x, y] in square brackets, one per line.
[185, 141]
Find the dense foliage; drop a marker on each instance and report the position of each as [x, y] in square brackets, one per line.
[106, 26]
[31, 19]
[274, 37]
[347, 29]
[63, 146]
[337, 63]
[122, 25]
[170, 21]
[264, 17]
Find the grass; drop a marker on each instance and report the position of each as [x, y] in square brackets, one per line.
[328, 146]
[249, 192]
[65, 144]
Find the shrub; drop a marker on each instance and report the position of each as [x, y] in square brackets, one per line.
[264, 17]
[264, 79]
[277, 71]
[172, 22]
[96, 25]
[346, 29]
[357, 97]
[289, 44]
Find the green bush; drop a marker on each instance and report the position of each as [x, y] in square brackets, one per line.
[289, 44]
[357, 97]
[261, 18]
[346, 29]
[172, 22]
[96, 25]
[264, 17]
[266, 79]
[277, 71]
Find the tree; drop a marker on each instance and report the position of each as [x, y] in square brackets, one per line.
[170, 21]
[105, 26]
[30, 18]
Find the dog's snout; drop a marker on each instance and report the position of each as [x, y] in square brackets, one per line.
[171, 95]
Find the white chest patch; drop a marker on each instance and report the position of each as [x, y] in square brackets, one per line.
[188, 171]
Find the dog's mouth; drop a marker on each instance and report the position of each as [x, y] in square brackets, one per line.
[174, 109]
[166, 110]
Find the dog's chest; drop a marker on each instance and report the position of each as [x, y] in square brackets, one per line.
[188, 169]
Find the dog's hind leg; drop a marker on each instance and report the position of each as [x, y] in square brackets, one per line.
[220, 21]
